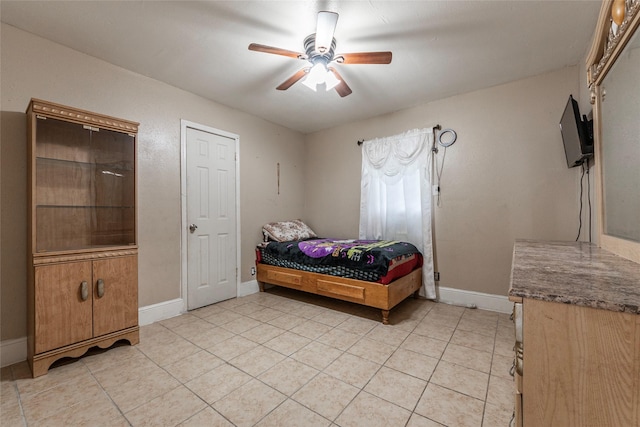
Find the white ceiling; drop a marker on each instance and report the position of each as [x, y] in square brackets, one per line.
[440, 48]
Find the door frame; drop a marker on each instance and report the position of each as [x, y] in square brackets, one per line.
[184, 124]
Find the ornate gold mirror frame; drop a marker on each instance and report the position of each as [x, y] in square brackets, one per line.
[617, 23]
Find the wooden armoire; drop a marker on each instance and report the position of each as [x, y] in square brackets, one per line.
[82, 237]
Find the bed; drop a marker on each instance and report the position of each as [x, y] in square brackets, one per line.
[378, 274]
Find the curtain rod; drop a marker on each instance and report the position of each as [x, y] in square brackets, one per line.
[436, 127]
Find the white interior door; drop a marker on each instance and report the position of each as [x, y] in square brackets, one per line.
[211, 218]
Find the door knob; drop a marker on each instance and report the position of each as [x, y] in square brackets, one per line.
[192, 227]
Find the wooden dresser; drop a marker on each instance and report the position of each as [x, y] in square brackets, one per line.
[577, 313]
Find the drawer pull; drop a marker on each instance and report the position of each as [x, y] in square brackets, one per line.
[100, 288]
[84, 290]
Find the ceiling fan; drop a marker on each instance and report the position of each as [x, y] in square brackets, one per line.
[320, 53]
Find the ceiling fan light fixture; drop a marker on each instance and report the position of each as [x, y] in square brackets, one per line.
[319, 74]
[316, 76]
[331, 80]
[312, 86]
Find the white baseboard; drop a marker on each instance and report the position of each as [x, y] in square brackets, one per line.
[482, 301]
[13, 351]
[163, 310]
[248, 288]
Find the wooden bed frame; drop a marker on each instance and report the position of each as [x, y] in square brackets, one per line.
[371, 294]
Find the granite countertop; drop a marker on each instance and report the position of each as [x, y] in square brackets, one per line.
[575, 273]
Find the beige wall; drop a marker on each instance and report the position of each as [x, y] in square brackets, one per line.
[586, 108]
[505, 177]
[34, 67]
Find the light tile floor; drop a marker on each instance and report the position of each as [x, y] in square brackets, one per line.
[282, 358]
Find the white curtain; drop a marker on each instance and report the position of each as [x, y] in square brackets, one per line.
[395, 198]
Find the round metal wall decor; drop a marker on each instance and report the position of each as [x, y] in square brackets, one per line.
[447, 137]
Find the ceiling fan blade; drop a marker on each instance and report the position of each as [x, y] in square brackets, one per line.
[325, 28]
[274, 50]
[291, 80]
[365, 58]
[342, 88]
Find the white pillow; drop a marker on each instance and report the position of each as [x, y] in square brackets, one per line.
[286, 231]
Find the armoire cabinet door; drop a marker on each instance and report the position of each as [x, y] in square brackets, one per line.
[63, 312]
[115, 294]
[113, 223]
[84, 186]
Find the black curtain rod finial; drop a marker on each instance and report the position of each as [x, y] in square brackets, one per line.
[361, 142]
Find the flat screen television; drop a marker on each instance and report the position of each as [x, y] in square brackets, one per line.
[577, 134]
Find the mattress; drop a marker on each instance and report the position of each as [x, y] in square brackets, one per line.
[380, 261]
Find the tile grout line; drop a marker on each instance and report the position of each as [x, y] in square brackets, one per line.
[434, 369]
[302, 311]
